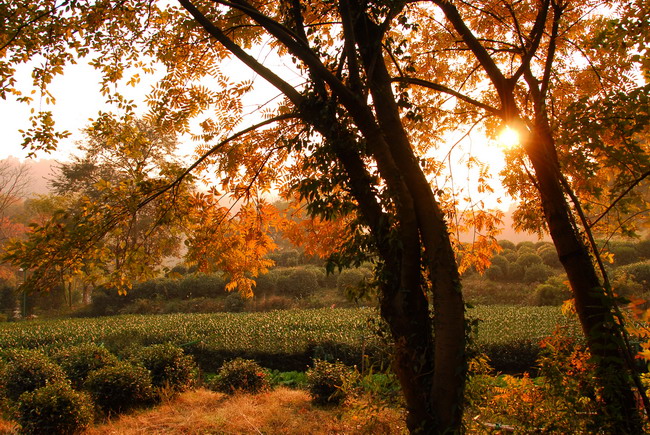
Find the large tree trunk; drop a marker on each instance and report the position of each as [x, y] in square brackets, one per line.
[403, 301]
[447, 384]
[593, 305]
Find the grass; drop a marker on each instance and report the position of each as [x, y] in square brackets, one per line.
[281, 411]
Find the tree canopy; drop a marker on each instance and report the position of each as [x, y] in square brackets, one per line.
[380, 84]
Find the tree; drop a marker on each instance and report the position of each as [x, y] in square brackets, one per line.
[527, 52]
[354, 153]
[97, 231]
[14, 179]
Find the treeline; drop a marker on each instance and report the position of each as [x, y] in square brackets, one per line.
[526, 273]
[530, 273]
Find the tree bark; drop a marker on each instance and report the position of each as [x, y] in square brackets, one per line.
[593, 305]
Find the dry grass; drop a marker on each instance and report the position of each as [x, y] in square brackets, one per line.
[281, 411]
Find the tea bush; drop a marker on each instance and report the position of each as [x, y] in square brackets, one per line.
[79, 361]
[240, 375]
[328, 382]
[28, 370]
[54, 409]
[120, 388]
[168, 365]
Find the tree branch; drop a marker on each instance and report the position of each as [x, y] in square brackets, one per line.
[620, 197]
[446, 90]
[235, 49]
[535, 37]
[211, 151]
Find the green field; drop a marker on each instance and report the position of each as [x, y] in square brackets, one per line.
[278, 339]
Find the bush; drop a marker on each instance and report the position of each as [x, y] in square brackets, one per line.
[240, 375]
[495, 273]
[79, 361]
[516, 272]
[528, 259]
[120, 388]
[624, 254]
[265, 285]
[525, 246]
[643, 248]
[168, 365]
[550, 258]
[200, 285]
[234, 303]
[28, 370]
[350, 283]
[552, 295]
[54, 409]
[537, 273]
[638, 273]
[328, 382]
[300, 283]
[510, 255]
[7, 299]
[159, 288]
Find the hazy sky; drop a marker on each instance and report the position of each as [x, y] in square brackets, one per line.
[79, 99]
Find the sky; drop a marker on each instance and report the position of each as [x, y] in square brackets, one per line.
[78, 100]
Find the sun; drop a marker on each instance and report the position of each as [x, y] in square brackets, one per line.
[508, 138]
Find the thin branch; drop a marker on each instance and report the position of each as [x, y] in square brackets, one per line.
[29, 22]
[211, 151]
[536, 37]
[446, 90]
[620, 197]
[235, 49]
[552, 45]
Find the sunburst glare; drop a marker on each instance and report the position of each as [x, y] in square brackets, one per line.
[509, 138]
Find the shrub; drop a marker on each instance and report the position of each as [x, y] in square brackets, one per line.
[240, 375]
[528, 259]
[328, 382]
[120, 388]
[525, 246]
[79, 361]
[643, 248]
[638, 273]
[624, 254]
[550, 258]
[299, 283]
[351, 283]
[28, 370]
[495, 273]
[54, 409]
[159, 288]
[200, 285]
[265, 285]
[234, 303]
[168, 365]
[549, 294]
[510, 255]
[7, 299]
[537, 273]
[516, 272]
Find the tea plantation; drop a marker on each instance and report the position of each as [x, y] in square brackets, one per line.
[286, 340]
